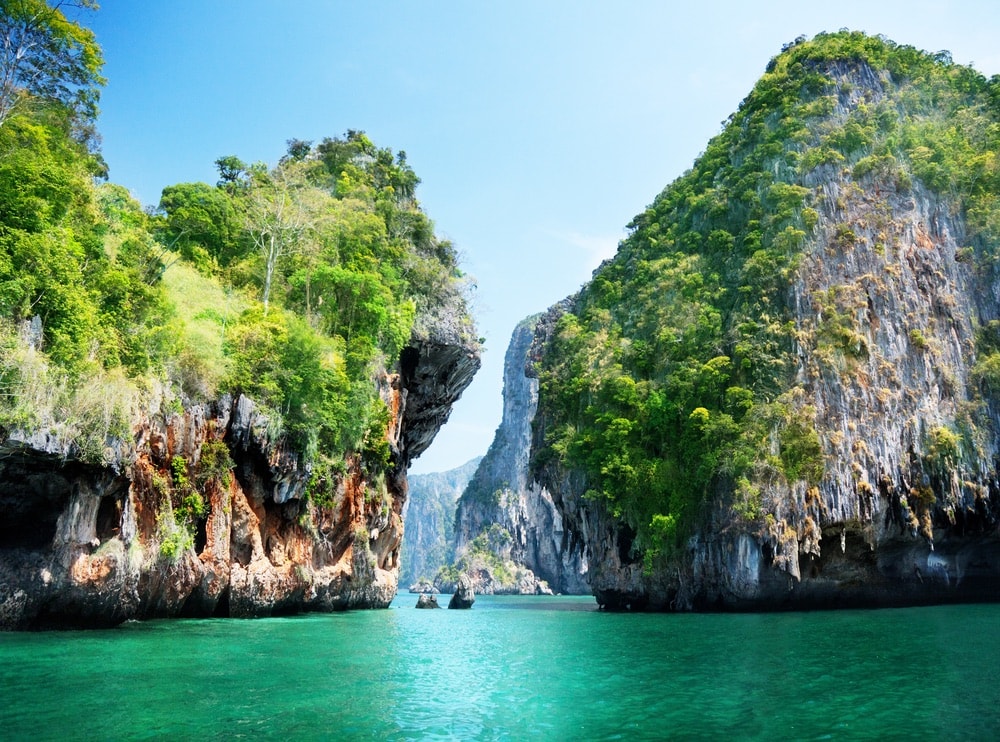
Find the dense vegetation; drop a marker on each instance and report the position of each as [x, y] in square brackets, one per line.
[292, 284]
[318, 271]
[669, 385]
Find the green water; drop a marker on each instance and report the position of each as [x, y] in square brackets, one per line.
[513, 668]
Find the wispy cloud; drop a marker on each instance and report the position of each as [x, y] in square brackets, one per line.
[595, 247]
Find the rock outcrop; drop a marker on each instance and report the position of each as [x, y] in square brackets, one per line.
[86, 545]
[422, 586]
[546, 556]
[427, 602]
[464, 596]
[489, 568]
[887, 304]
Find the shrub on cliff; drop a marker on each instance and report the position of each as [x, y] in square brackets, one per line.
[333, 264]
[487, 558]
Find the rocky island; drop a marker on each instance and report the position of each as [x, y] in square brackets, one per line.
[508, 534]
[208, 409]
[782, 392]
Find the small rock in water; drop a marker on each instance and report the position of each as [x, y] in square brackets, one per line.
[463, 597]
[427, 601]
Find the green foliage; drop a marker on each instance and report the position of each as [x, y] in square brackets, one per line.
[944, 449]
[322, 486]
[48, 58]
[233, 174]
[76, 255]
[489, 550]
[801, 453]
[175, 537]
[917, 338]
[169, 297]
[193, 507]
[940, 128]
[837, 337]
[352, 264]
[295, 284]
[375, 451]
[658, 379]
[182, 500]
[89, 411]
[110, 293]
[199, 364]
[301, 376]
[99, 411]
[986, 371]
[202, 224]
[189, 504]
[178, 471]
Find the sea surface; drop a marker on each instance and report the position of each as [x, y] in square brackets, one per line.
[513, 668]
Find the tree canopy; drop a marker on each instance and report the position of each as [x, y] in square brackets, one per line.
[45, 56]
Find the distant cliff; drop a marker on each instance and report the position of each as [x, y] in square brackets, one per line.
[783, 390]
[501, 496]
[429, 514]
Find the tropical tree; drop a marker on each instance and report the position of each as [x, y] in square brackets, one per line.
[45, 55]
[282, 210]
[201, 216]
[234, 175]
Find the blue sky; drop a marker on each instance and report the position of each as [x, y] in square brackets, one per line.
[538, 129]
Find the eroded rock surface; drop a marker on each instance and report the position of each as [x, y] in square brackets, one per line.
[427, 601]
[84, 545]
[464, 596]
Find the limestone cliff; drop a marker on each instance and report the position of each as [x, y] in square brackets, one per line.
[502, 494]
[87, 545]
[429, 514]
[876, 481]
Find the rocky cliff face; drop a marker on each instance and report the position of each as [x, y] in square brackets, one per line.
[429, 514]
[907, 507]
[502, 493]
[84, 545]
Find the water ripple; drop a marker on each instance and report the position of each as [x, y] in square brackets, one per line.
[510, 669]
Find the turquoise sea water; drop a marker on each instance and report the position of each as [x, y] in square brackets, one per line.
[513, 668]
